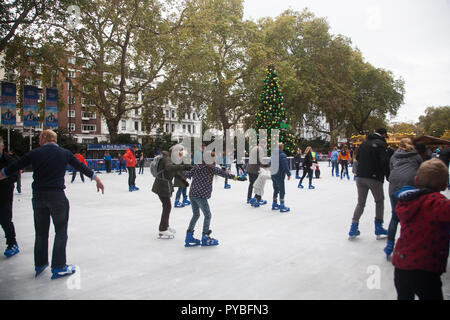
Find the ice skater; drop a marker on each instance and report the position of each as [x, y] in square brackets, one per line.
[6, 204]
[201, 188]
[259, 185]
[278, 176]
[404, 164]
[49, 163]
[307, 168]
[80, 158]
[421, 253]
[130, 158]
[182, 185]
[164, 171]
[344, 159]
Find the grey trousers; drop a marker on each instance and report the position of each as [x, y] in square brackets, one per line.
[376, 188]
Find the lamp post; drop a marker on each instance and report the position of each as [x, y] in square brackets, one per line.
[69, 89]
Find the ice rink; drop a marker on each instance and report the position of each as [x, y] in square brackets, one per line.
[262, 254]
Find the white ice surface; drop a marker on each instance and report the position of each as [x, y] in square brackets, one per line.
[303, 254]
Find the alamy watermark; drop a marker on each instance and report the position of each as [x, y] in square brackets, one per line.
[222, 148]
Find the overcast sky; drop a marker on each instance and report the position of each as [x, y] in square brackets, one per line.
[411, 38]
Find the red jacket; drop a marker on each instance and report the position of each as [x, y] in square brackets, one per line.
[425, 225]
[81, 159]
[130, 158]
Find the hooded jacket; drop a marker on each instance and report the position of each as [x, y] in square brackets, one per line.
[372, 158]
[425, 224]
[130, 157]
[403, 168]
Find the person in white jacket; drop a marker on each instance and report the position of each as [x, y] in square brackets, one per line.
[258, 186]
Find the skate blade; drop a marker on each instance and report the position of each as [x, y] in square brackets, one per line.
[165, 237]
[381, 236]
[352, 237]
[187, 245]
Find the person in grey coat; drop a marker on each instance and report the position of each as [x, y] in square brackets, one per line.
[403, 165]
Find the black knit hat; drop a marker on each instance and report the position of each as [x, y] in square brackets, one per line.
[381, 131]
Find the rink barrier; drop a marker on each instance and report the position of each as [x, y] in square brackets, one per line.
[98, 165]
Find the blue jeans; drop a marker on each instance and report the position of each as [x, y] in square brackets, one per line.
[181, 190]
[197, 204]
[334, 167]
[392, 230]
[52, 205]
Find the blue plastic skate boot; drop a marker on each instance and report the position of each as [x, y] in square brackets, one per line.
[275, 206]
[11, 251]
[311, 187]
[130, 189]
[250, 201]
[262, 202]
[255, 203]
[190, 241]
[389, 248]
[354, 232]
[135, 188]
[39, 269]
[178, 204]
[186, 202]
[227, 186]
[207, 241]
[380, 232]
[283, 208]
[297, 176]
[63, 272]
[300, 185]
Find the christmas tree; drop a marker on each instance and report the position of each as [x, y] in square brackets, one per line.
[272, 113]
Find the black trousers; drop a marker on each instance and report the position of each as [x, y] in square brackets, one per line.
[108, 165]
[52, 205]
[306, 171]
[426, 285]
[165, 215]
[7, 224]
[131, 176]
[74, 175]
[251, 178]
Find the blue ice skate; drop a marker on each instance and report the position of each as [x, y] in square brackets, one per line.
[40, 269]
[11, 251]
[262, 202]
[255, 203]
[186, 202]
[179, 204]
[135, 188]
[207, 241]
[311, 187]
[389, 248]
[300, 186]
[275, 206]
[354, 232]
[190, 241]
[283, 208]
[63, 272]
[380, 232]
[227, 186]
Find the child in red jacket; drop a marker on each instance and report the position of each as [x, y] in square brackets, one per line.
[421, 252]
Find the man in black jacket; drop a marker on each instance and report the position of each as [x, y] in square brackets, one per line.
[6, 202]
[49, 163]
[372, 168]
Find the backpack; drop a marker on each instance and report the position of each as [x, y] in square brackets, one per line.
[154, 166]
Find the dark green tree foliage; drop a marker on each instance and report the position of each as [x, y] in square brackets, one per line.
[272, 112]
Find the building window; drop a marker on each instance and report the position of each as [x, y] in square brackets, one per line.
[71, 74]
[124, 125]
[88, 128]
[184, 128]
[193, 129]
[71, 60]
[167, 114]
[71, 126]
[71, 100]
[189, 128]
[173, 128]
[71, 113]
[136, 125]
[173, 114]
[136, 112]
[167, 127]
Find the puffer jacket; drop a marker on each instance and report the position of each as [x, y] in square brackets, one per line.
[403, 168]
[373, 158]
[163, 185]
[130, 157]
[424, 236]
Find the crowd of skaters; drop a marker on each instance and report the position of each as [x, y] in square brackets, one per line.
[414, 180]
